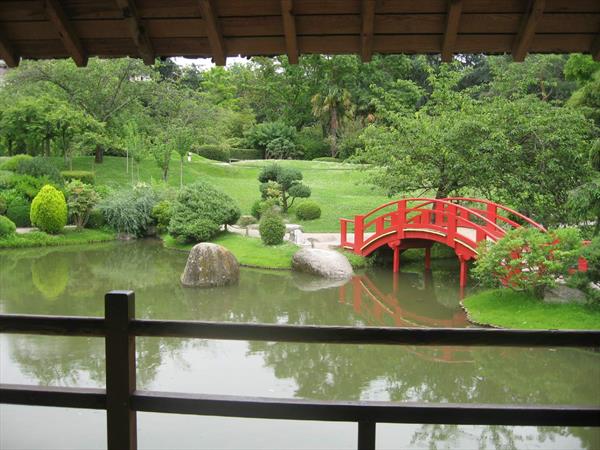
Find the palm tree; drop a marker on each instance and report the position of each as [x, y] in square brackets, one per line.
[331, 107]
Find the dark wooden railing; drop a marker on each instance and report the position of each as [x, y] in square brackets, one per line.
[122, 400]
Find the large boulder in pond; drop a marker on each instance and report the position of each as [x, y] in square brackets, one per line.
[324, 263]
[210, 265]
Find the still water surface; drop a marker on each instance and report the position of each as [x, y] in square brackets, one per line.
[72, 281]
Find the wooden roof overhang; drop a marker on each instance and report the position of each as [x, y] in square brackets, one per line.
[148, 29]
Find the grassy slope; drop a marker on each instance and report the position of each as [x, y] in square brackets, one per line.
[340, 189]
[509, 309]
[68, 237]
[249, 251]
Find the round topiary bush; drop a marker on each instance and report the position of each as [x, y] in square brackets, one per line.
[18, 211]
[7, 226]
[308, 210]
[49, 210]
[272, 229]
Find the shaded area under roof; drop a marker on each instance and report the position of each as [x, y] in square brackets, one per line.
[219, 28]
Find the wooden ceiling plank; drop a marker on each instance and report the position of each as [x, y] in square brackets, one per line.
[138, 32]
[289, 30]
[532, 16]
[213, 31]
[368, 26]
[452, 23]
[7, 52]
[66, 31]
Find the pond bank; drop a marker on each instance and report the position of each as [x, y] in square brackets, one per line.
[505, 308]
[69, 236]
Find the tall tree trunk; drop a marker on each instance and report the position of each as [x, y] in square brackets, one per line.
[333, 132]
[99, 158]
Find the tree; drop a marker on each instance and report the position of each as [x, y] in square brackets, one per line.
[288, 184]
[183, 140]
[332, 107]
[136, 144]
[161, 150]
[81, 199]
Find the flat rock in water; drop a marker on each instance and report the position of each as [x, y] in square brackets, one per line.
[564, 294]
[324, 263]
[210, 265]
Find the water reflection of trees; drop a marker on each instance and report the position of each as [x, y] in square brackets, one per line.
[73, 282]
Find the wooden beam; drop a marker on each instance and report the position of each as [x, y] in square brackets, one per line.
[532, 16]
[7, 53]
[289, 30]
[368, 24]
[595, 50]
[66, 31]
[138, 31]
[213, 31]
[452, 22]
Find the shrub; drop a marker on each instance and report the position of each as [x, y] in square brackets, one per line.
[28, 186]
[245, 153]
[327, 159]
[49, 210]
[40, 167]
[3, 205]
[129, 211]
[311, 140]
[161, 213]
[262, 134]
[199, 212]
[84, 176]
[96, 219]
[289, 181]
[255, 209]
[283, 148]
[14, 161]
[261, 207]
[81, 200]
[7, 226]
[272, 229]
[308, 210]
[246, 221]
[18, 210]
[592, 254]
[214, 152]
[5, 179]
[528, 259]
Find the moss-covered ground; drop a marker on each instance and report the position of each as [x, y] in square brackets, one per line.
[510, 309]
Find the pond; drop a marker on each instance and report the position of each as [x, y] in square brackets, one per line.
[73, 280]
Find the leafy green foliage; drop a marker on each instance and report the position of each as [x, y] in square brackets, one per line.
[18, 211]
[308, 210]
[528, 259]
[81, 199]
[12, 163]
[199, 212]
[68, 237]
[282, 148]
[245, 221]
[288, 180]
[161, 213]
[96, 219]
[261, 135]
[129, 211]
[84, 176]
[3, 205]
[49, 210]
[245, 153]
[313, 144]
[592, 254]
[40, 167]
[214, 152]
[7, 227]
[272, 229]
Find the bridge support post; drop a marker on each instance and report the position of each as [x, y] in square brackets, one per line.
[428, 258]
[396, 259]
[463, 271]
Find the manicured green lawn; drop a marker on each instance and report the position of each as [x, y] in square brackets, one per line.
[248, 251]
[509, 309]
[68, 237]
[340, 189]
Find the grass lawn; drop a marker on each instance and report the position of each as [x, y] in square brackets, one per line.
[248, 251]
[68, 237]
[340, 189]
[509, 309]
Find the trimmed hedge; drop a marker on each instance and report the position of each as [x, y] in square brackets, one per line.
[7, 226]
[272, 229]
[49, 210]
[84, 176]
[245, 153]
[308, 210]
[12, 163]
[214, 152]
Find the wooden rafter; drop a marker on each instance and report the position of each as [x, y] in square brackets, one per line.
[66, 31]
[215, 37]
[7, 53]
[452, 22]
[532, 16]
[289, 30]
[595, 50]
[368, 25]
[138, 32]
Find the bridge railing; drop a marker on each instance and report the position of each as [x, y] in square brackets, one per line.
[122, 400]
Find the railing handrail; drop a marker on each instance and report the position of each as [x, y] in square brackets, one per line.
[121, 399]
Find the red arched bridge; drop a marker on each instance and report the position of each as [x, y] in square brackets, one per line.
[458, 222]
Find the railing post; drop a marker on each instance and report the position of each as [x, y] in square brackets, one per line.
[121, 422]
[366, 435]
[343, 233]
[359, 230]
